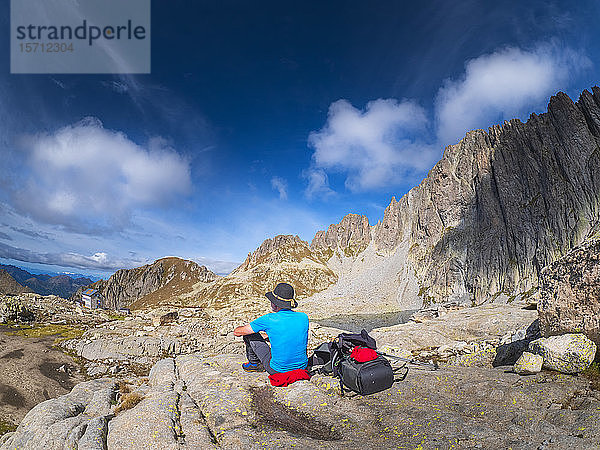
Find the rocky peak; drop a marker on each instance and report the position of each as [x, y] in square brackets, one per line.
[8, 285]
[388, 231]
[282, 248]
[285, 258]
[499, 205]
[163, 280]
[184, 269]
[351, 236]
[502, 203]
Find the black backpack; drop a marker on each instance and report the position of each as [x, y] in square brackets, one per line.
[364, 378]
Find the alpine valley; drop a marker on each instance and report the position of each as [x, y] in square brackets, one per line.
[492, 213]
[489, 268]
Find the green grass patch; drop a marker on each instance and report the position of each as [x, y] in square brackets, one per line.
[6, 427]
[116, 316]
[63, 332]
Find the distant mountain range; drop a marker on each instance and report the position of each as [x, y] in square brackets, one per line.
[44, 284]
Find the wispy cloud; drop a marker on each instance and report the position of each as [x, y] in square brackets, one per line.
[502, 85]
[280, 185]
[30, 233]
[98, 261]
[119, 87]
[318, 183]
[87, 178]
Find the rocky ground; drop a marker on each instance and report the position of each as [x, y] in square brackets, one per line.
[196, 395]
[195, 401]
[31, 371]
[32, 367]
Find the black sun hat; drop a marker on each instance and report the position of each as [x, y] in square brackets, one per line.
[283, 296]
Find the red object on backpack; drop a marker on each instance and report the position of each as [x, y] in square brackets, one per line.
[362, 354]
[286, 378]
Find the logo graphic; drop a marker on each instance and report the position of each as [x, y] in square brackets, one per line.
[80, 36]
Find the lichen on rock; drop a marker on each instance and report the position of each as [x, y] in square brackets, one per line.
[567, 353]
[528, 364]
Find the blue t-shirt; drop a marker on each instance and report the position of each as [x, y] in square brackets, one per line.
[288, 333]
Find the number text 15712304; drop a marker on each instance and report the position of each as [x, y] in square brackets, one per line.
[46, 47]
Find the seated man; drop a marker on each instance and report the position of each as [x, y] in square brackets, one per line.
[287, 331]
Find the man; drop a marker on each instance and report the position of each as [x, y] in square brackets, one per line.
[287, 331]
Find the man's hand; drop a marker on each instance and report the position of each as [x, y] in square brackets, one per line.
[243, 330]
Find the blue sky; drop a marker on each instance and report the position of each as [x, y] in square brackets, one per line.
[266, 118]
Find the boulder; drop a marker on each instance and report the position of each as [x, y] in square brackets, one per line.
[164, 319]
[570, 294]
[76, 419]
[528, 364]
[198, 401]
[568, 353]
[13, 309]
[513, 344]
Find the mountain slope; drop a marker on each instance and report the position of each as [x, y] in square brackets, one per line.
[8, 285]
[498, 207]
[161, 282]
[284, 258]
[61, 285]
[501, 205]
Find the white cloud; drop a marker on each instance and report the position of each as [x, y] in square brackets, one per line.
[318, 183]
[87, 178]
[119, 87]
[374, 147]
[280, 185]
[386, 142]
[98, 261]
[502, 85]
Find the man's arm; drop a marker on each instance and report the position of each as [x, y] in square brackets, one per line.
[243, 330]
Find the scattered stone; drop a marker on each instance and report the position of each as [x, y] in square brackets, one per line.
[196, 401]
[568, 353]
[170, 317]
[94, 369]
[13, 309]
[528, 364]
[513, 344]
[570, 294]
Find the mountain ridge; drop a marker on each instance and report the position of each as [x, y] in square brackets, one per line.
[44, 284]
[8, 285]
[495, 209]
[151, 285]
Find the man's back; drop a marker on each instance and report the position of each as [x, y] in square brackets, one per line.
[288, 333]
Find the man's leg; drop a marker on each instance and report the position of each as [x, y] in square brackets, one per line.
[258, 351]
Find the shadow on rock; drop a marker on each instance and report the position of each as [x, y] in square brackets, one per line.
[513, 345]
[59, 372]
[354, 323]
[15, 354]
[280, 416]
[10, 396]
